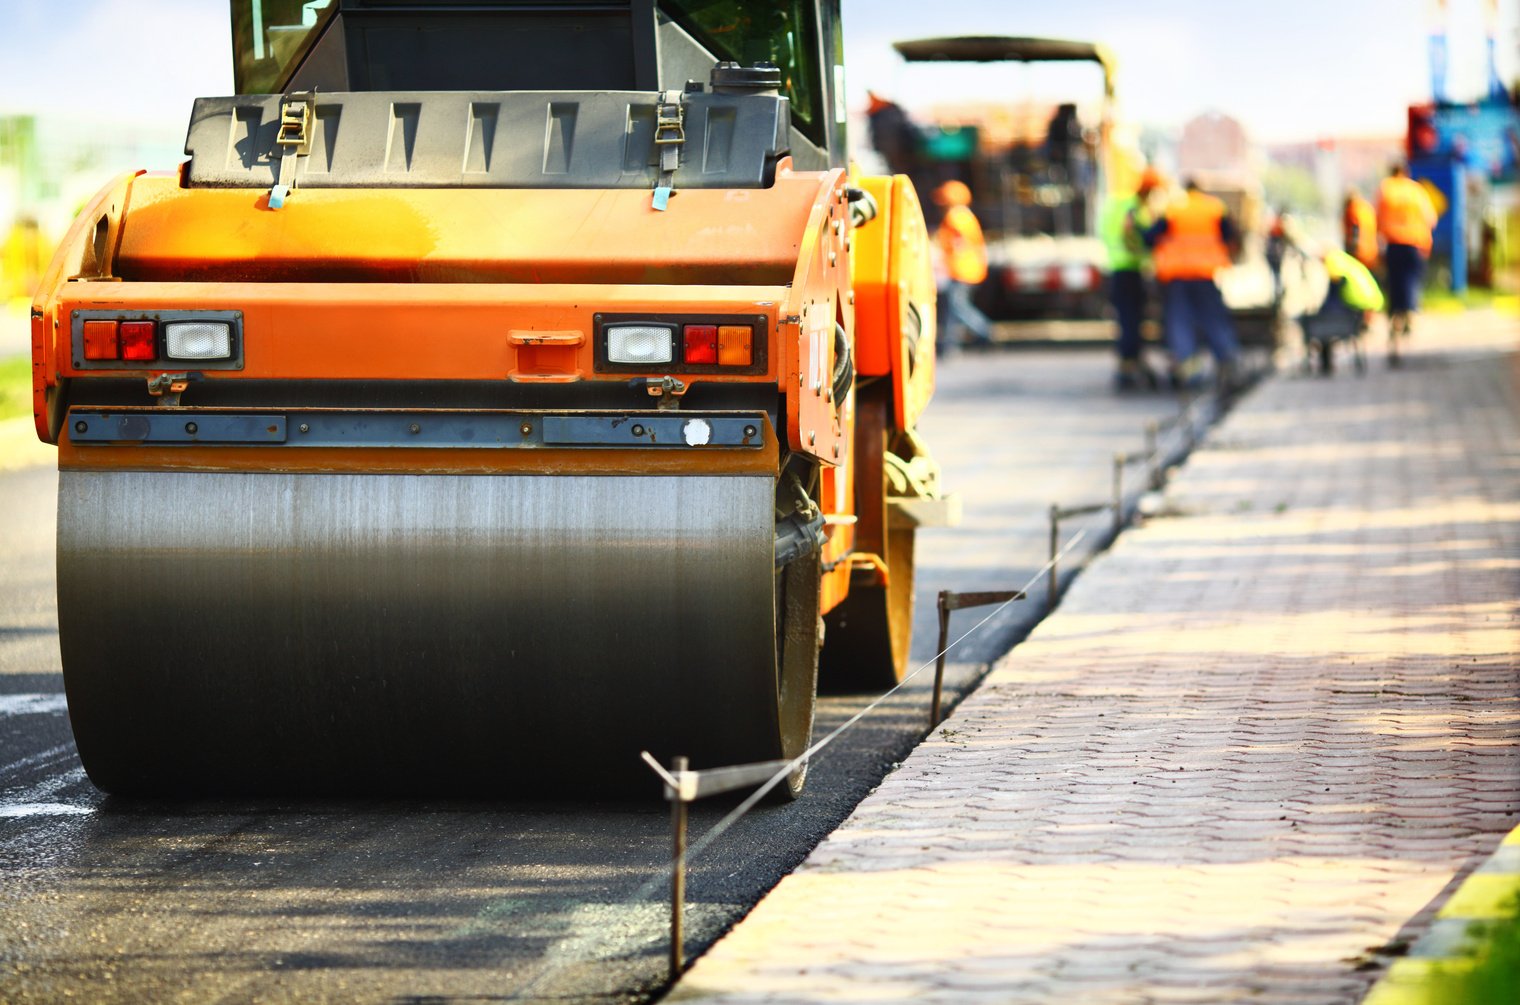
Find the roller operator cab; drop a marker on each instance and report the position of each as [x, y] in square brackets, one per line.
[498, 389]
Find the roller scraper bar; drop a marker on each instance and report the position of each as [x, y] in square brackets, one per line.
[397, 428]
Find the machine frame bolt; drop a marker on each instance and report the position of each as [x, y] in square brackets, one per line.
[637, 430]
[192, 428]
[750, 430]
[414, 429]
[81, 426]
[305, 428]
[526, 428]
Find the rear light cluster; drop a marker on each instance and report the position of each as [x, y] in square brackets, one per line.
[703, 344]
[720, 345]
[1074, 277]
[120, 340]
[138, 340]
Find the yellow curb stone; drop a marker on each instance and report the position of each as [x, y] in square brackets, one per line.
[1483, 897]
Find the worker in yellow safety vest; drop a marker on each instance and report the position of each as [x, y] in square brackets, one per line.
[961, 265]
[1191, 243]
[1122, 226]
[1406, 218]
[1353, 293]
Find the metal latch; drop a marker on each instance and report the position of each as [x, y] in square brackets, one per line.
[294, 141]
[669, 134]
[167, 387]
[667, 389]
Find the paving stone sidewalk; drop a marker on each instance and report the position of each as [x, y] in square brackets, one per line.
[1245, 760]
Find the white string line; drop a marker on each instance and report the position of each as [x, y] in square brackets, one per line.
[749, 802]
[647, 888]
[733, 816]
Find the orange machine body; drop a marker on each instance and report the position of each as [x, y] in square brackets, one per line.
[502, 285]
[895, 298]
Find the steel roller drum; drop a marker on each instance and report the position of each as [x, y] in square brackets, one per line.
[381, 633]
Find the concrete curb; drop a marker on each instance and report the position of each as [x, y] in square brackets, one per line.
[1256, 738]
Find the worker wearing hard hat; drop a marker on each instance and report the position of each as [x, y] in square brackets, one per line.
[1405, 218]
[962, 264]
[1122, 226]
[1190, 243]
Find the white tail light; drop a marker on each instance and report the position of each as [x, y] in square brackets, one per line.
[640, 343]
[197, 340]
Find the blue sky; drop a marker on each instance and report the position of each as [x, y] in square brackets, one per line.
[1290, 69]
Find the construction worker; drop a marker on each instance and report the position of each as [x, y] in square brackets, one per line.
[1359, 228]
[1122, 226]
[1191, 242]
[1352, 294]
[1276, 250]
[1405, 219]
[962, 262]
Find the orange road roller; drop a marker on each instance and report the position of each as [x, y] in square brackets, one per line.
[497, 390]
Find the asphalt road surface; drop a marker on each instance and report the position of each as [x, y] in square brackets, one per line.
[110, 901]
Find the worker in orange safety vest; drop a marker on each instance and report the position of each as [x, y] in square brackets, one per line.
[961, 265]
[1359, 229]
[1405, 218]
[1191, 243]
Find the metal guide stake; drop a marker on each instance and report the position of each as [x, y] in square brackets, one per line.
[1153, 454]
[677, 875]
[1052, 585]
[683, 787]
[1057, 514]
[949, 601]
[1120, 460]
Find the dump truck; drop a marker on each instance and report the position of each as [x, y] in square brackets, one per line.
[496, 391]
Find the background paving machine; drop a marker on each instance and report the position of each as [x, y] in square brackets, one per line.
[498, 389]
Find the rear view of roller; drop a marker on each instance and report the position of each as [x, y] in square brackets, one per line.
[473, 435]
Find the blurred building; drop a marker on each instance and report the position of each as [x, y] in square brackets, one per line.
[1359, 162]
[1214, 143]
[1216, 151]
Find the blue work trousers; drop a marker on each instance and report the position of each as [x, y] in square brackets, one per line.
[1192, 306]
[1126, 291]
[960, 323]
[1406, 271]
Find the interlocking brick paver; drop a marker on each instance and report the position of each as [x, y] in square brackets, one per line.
[1255, 743]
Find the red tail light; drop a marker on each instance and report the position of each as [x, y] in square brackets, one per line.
[701, 344]
[137, 341]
